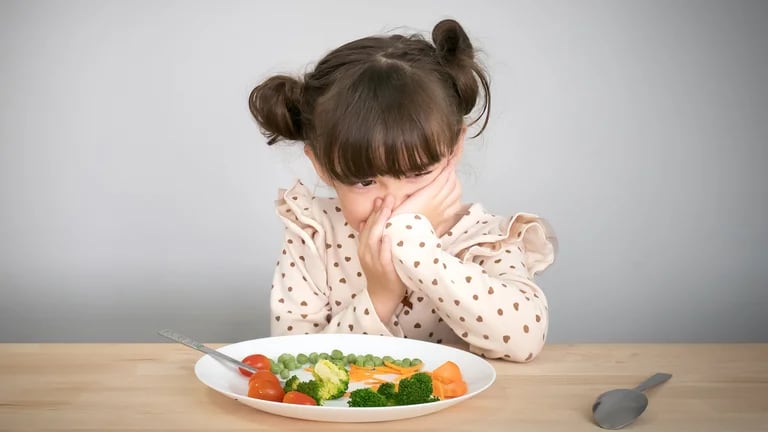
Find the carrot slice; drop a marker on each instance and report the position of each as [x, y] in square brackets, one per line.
[454, 389]
[447, 381]
[437, 389]
[448, 372]
[369, 375]
[403, 370]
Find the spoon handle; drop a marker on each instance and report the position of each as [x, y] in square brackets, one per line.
[184, 340]
[653, 381]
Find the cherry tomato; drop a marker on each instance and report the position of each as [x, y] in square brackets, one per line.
[264, 375]
[298, 398]
[258, 361]
[265, 389]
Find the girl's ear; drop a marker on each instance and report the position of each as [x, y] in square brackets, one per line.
[318, 169]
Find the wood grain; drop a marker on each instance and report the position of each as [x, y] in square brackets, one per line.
[152, 387]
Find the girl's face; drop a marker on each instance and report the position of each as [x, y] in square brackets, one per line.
[357, 200]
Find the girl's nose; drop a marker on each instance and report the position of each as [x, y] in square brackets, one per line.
[395, 199]
[398, 190]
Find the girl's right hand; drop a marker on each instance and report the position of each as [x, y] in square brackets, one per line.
[385, 288]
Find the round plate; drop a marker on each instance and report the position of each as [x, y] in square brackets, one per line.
[225, 379]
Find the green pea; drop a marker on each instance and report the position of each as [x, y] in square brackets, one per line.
[285, 374]
[377, 361]
[290, 364]
[302, 359]
[416, 361]
[351, 358]
[276, 368]
[313, 358]
[406, 362]
[323, 356]
[286, 357]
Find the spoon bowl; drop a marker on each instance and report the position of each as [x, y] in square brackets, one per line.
[618, 408]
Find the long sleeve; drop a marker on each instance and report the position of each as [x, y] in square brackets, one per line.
[300, 304]
[488, 296]
[316, 287]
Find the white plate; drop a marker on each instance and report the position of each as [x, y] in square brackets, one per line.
[478, 373]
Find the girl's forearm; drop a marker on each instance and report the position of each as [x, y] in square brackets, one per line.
[500, 316]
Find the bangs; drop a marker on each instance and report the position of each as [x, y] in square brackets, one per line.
[387, 121]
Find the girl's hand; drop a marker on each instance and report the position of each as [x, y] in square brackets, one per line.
[375, 252]
[439, 201]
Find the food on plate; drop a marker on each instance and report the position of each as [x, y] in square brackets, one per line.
[412, 390]
[298, 398]
[330, 381]
[447, 381]
[388, 381]
[265, 385]
[258, 361]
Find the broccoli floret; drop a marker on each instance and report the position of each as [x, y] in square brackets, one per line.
[416, 389]
[332, 379]
[387, 390]
[291, 384]
[310, 388]
[366, 398]
[330, 382]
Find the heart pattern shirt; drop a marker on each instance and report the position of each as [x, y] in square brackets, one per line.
[473, 286]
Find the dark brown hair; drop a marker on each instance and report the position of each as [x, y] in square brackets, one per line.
[381, 105]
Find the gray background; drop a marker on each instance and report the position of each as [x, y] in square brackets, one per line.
[137, 193]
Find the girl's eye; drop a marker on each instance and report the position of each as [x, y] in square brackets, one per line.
[365, 183]
[419, 174]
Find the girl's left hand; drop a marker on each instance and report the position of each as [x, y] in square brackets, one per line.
[439, 201]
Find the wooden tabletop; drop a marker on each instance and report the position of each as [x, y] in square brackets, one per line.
[137, 387]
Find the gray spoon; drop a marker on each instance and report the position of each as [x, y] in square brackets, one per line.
[615, 409]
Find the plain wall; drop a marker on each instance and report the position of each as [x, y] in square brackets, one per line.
[136, 192]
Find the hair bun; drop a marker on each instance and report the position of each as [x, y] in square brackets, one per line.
[451, 42]
[276, 106]
[455, 53]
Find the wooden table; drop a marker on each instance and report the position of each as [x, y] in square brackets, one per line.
[121, 387]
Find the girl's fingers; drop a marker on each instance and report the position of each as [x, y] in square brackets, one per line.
[452, 187]
[426, 196]
[385, 252]
[445, 182]
[377, 227]
[441, 180]
[454, 193]
[366, 224]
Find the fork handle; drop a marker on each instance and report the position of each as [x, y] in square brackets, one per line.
[184, 340]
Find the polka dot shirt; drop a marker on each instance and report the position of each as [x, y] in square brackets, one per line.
[473, 285]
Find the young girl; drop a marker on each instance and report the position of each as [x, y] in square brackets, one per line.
[397, 253]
